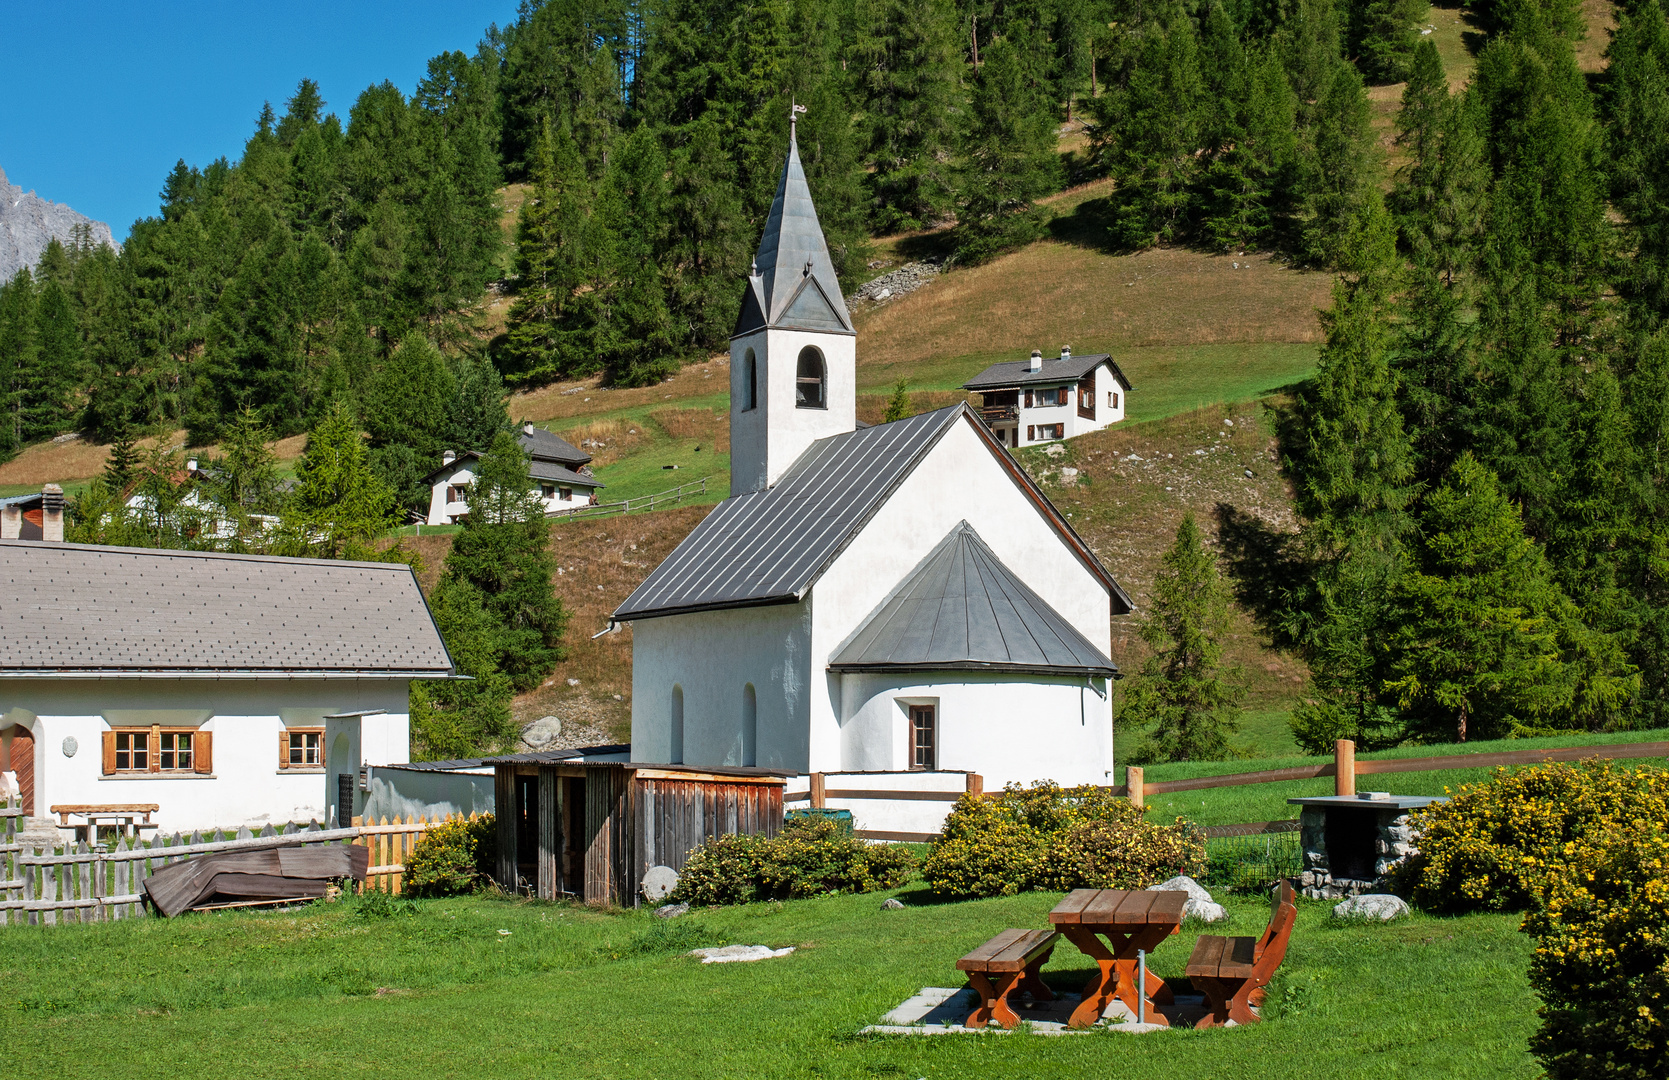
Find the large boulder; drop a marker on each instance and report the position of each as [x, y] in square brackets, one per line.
[1200, 905]
[1380, 907]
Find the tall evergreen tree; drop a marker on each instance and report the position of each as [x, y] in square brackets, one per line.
[1383, 37]
[1183, 693]
[504, 554]
[339, 505]
[1637, 148]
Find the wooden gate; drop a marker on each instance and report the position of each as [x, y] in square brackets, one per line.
[17, 754]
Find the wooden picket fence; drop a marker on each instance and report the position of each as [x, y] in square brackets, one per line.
[81, 882]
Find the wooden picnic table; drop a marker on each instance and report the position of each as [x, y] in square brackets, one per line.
[1131, 921]
[127, 818]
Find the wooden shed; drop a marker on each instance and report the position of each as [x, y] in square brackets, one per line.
[577, 826]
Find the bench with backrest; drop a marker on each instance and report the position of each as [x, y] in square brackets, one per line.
[1005, 965]
[1232, 971]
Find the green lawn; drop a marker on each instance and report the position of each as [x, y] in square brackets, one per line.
[570, 992]
[1268, 802]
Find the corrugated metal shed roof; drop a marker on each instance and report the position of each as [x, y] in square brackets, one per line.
[961, 609]
[794, 282]
[79, 610]
[771, 546]
[1017, 372]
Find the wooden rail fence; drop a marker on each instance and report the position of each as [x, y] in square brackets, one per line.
[671, 496]
[82, 882]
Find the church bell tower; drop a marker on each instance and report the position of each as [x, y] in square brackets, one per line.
[793, 356]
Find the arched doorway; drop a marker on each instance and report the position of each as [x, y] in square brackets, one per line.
[17, 754]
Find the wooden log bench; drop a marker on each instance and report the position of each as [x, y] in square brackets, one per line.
[1232, 971]
[1007, 964]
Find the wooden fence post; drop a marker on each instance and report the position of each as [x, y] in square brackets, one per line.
[975, 784]
[1133, 781]
[817, 791]
[1344, 760]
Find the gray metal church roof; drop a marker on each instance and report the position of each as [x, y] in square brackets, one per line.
[771, 546]
[961, 609]
[1055, 370]
[75, 610]
[794, 282]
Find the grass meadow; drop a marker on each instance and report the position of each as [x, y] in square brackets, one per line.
[439, 989]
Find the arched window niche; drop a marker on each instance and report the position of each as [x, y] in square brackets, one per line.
[811, 380]
[750, 381]
[675, 754]
[750, 726]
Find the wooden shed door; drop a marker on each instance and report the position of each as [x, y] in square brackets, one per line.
[17, 754]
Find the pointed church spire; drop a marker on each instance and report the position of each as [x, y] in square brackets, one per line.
[793, 284]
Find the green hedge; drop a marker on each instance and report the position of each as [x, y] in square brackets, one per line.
[809, 857]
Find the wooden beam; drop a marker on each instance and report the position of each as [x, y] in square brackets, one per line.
[1344, 767]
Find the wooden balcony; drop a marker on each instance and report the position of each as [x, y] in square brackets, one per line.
[996, 414]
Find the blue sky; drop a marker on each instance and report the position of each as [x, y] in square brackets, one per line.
[100, 99]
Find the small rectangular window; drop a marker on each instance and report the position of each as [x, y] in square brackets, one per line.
[1031, 432]
[924, 749]
[299, 748]
[133, 751]
[1028, 399]
[175, 751]
[567, 494]
[548, 490]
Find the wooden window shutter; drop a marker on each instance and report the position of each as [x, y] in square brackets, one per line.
[284, 748]
[109, 752]
[202, 746]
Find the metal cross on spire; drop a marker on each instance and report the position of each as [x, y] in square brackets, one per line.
[794, 111]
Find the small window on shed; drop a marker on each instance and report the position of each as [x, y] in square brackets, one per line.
[811, 380]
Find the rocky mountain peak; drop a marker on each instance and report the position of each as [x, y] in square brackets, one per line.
[28, 223]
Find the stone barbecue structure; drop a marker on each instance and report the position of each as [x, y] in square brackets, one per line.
[1352, 842]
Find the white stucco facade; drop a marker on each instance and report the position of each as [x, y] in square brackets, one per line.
[768, 437]
[449, 495]
[68, 719]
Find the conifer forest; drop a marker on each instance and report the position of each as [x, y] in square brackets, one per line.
[1480, 465]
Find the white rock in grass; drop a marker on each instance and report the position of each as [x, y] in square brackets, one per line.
[892, 903]
[672, 911]
[730, 954]
[1382, 907]
[1200, 905]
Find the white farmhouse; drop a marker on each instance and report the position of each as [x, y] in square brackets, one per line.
[1037, 401]
[881, 599]
[558, 468]
[223, 690]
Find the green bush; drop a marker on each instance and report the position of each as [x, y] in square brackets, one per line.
[1489, 846]
[453, 859]
[809, 857]
[1049, 837]
[1602, 956]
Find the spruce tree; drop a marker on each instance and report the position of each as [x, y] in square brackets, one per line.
[898, 406]
[504, 554]
[243, 480]
[19, 355]
[1384, 35]
[122, 463]
[339, 506]
[1255, 148]
[1637, 149]
[1012, 158]
[1183, 693]
[1482, 642]
[407, 411]
[465, 717]
[909, 71]
[547, 334]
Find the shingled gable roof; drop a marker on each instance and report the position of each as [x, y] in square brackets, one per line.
[1011, 373]
[81, 611]
[552, 458]
[771, 546]
[781, 292]
[961, 609]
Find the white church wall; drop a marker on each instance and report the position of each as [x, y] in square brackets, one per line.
[712, 657]
[1007, 728]
[245, 717]
[960, 479]
[766, 440]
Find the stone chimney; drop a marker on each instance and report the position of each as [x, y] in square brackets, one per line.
[447, 457]
[52, 514]
[1037, 360]
[1066, 353]
[11, 522]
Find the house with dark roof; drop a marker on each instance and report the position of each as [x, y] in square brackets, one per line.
[890, 599]
[558, 468]
[1026, 402]
[222, 690]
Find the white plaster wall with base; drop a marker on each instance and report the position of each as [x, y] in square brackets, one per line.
[426, 794]
[443, 511]
[712, 657]
[247, 787]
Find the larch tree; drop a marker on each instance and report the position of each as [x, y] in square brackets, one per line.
[1183, 696]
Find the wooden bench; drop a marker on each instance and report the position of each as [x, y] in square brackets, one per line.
[1007, 963]
[1232, 971]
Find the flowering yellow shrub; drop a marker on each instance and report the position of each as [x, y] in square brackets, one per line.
[1602, 953]
[1049, 837]
[1491, 845]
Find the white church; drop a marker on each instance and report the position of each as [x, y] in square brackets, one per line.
[890, 599]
